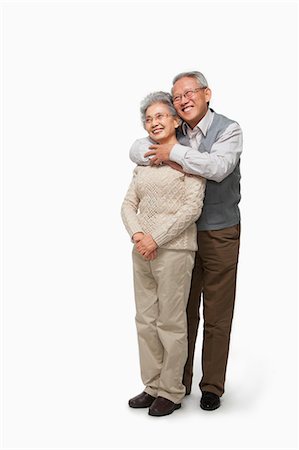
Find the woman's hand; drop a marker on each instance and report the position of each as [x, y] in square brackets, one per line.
[146, 246]
[137, 237]
[152, 256]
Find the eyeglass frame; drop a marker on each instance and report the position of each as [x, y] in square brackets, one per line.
[188, 94]
[159, 116]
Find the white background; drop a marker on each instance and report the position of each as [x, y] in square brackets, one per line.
[72, 77]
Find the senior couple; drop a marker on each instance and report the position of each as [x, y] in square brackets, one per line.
[181, 212]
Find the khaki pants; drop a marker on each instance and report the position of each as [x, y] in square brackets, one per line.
[161, 293]
[213, 278]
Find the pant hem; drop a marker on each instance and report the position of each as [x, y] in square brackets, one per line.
[211, 389]
[173, 398]
[151, 392]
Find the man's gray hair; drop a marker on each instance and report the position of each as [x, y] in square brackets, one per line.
[201, 79]
[156, 97]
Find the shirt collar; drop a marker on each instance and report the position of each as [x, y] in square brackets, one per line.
[203, 125]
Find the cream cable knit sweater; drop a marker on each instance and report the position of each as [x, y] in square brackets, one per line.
[165, 203]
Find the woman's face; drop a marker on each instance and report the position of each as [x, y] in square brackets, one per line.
[159, 123]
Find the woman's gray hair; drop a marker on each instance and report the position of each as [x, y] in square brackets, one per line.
[156, 97]
[201, 79]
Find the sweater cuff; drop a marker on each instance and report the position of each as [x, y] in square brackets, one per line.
[159, 239]
[135, 230]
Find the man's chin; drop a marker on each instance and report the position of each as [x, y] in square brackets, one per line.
[187, 117]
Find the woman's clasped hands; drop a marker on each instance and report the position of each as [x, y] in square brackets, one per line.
[145, 245]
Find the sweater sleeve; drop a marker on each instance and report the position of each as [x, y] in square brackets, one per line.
[129, 208]
[175, 224]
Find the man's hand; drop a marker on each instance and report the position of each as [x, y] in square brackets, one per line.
[160, 153]
[146, 246]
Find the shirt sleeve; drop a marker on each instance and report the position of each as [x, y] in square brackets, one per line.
[137, 151]
[175, 224]
[219, 163]
[129, 208]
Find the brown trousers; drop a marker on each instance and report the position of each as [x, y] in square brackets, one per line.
[213, 277]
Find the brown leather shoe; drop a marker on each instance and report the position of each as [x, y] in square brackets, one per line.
[142, 400]
[162, 407]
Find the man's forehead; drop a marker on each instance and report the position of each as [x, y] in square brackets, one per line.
[185, 82]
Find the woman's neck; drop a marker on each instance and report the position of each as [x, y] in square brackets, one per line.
[170, 141]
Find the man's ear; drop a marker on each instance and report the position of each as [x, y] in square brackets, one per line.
[208, 94]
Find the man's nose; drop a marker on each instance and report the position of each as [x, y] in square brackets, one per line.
[184, 100]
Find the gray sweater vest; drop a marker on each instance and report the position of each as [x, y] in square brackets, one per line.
[220, 209]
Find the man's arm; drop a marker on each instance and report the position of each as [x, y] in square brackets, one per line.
[137, 151]
[140, 147]
[216, 165]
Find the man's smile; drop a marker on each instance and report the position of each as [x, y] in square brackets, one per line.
[187, 108]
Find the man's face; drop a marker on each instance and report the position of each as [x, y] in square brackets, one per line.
[192, 109]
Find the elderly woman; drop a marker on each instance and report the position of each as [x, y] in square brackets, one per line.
[159, 213]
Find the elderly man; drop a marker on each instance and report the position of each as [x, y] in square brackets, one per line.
[214, 145]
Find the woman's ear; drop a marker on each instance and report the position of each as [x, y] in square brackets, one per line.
[178, 122]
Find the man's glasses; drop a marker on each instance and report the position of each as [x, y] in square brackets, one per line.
[188, 94]
[158, 117]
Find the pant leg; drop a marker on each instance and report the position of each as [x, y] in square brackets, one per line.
[219, 252]
[193, 319]
[150, 348]
[172, 271]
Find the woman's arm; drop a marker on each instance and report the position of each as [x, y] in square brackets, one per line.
[176, 223]
[129, 208]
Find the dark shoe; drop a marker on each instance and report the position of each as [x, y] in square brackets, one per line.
[142, 400]
[209, 401]
[162, 407]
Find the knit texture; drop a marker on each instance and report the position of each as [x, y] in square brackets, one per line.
[164, 203]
